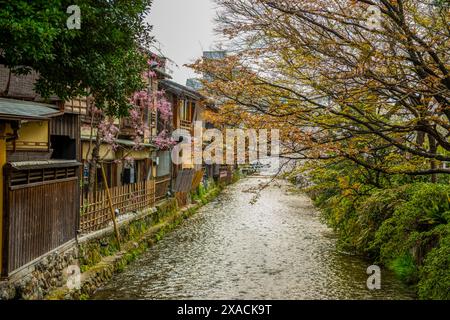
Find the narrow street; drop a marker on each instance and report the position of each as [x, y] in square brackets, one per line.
[275, 248]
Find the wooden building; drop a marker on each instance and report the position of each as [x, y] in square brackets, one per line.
[131, 172]
[45, 150]
[39, 160]
[187, 108]
[39, 181]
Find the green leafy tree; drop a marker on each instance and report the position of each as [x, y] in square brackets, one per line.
[103, 58]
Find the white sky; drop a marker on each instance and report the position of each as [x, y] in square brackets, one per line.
[183, 29]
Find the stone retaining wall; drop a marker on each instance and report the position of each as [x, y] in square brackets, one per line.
[96, 257]
[37, 279]
[100, 258]
[40, 278]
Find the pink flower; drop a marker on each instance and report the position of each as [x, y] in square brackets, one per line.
[163, 141]
[137, 143]
[142, 101]
[108, 131]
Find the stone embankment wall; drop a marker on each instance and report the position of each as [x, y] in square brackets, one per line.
[76, 270]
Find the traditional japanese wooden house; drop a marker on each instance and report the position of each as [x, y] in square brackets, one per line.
[218, 172]
[130, 169]
[187, 107]
[39, 158]
[39, 182]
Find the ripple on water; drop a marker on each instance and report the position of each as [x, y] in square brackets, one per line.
[274, 249]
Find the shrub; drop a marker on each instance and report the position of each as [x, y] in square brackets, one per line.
[414, 226]
[435, 274]
[403, 223]
[405, 268]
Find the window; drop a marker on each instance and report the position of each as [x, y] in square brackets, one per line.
[184, 110]
[129, 174]
[24, 177]
[163, 167]
[63, 147]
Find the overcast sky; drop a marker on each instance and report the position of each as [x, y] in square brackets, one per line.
[183, 29]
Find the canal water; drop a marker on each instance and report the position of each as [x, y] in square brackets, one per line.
[239, 247]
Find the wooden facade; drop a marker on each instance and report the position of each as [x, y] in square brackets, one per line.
[39, 179]
[40, 213]
[43, 205]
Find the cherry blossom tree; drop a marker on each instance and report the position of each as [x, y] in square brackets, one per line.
[141, 103]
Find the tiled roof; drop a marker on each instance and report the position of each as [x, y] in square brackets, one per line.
[24, 165]
[214, 54]
[180, 90]
[123, 142]
[20, 86]
[19, 109]
[194, 84]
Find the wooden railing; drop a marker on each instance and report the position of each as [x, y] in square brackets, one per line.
[95, 210]
[185, 124]
[127, 127]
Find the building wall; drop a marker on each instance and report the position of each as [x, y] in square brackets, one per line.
[2, 187]
[105, 152]
[40, 218]
[33, 135]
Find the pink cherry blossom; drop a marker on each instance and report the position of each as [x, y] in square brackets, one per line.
[108, 131]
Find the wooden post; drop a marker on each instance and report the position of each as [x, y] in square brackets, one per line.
[2, 206]
[113, 215]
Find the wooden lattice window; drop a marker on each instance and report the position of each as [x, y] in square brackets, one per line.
[31, 176]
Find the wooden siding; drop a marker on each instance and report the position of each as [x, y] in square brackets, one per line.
[183, 182]
[66, 125]
[78, 105]
[28, 156]
[38, 218]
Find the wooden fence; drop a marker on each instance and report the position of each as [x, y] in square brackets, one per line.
[182, 198]
[95, 210]
[187, 181]
[183, 182]
[162, 186]
[39, 216]
[198, 176]
[226, 174]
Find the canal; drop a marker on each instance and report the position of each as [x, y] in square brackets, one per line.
[274, 248]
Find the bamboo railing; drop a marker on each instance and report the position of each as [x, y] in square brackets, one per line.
[161, 187]
[95, 210]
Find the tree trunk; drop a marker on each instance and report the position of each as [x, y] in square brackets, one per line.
[433, 163]
[95, 156]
